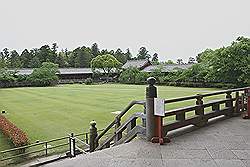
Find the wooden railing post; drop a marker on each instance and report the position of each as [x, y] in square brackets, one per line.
[180, 117]
[46, 148]
[92, 136]
[200, 111]
[229, 104]
[144, 119]
[248, 103]
[87, 138]
[242, 102]
[72, 145]
[118, 135]
[246, 115]
[131, 125]
[237, 105]
[151, 93]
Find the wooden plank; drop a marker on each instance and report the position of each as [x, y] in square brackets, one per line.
[180, 110]
[180, 124]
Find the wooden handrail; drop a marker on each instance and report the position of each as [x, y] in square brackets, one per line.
[178, 99]
[119, 116]
[200, 118]
[121, 129]
[41, 143]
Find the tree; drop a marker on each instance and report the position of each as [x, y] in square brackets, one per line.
[128, 54]
[6, 53]
[35, 62]
[95, 50]
[105, 62]
[25, 58]
[80, 57]
[61, 59]
[7, 76]
[229, 64]
[203, 55]
[179, 61]
[143, 54]
[45, 75]
[120, 56]
[2, 60]
[133, 75]
[54, 48]
[155, 59]
[191, 60]
[14, 60]
[169, 62]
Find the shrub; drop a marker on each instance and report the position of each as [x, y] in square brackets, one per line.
[130, 75]
[16, 135]
[45, 75]
[7, 76]
[71, 82]
[88, 81]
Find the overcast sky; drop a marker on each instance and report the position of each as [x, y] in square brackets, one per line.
[172, 28]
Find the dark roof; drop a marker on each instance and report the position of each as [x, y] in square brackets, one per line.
[64, 71]
[167, 68]
[136, 63]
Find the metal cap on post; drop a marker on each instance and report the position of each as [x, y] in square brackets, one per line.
[151, 93]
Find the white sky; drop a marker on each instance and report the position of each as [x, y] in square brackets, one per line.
[172, 28]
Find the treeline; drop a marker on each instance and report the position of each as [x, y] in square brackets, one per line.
[224, 67]
[77, 58]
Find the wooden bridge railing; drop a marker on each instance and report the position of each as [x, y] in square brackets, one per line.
[116, 138]
[233, 103]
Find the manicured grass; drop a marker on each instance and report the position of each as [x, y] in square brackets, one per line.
[50, 112]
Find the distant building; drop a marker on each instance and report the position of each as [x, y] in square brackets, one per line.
[83, 73]
[167, 68]
[140, 64]
[66, 73]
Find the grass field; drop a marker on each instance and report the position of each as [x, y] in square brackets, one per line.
[50, 112]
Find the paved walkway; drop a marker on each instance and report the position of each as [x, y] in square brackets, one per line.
[222, 144]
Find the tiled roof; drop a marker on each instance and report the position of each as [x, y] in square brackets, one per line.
[65, 71]
[135, 63]
[167, 68]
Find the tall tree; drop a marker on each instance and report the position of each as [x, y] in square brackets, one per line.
[179, 61]
[143, 54]
[128, 54]
[2, 60]
[14, 60]
[155, 59]
[95, 50]
[61, 59]
[120, 56]
[106, 63]
[6, 53]
[54, 47]
[191, 60]
[25, 58]
[35, 62]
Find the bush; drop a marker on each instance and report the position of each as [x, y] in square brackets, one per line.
[45, 75]
[88, 81]
[7, 76]
[133, 76]
[16, 135]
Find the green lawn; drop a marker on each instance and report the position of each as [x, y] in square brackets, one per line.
[50, 112]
